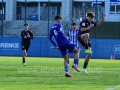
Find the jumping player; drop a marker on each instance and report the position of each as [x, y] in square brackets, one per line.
[83, 37]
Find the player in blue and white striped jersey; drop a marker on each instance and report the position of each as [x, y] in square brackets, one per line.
[72, 35]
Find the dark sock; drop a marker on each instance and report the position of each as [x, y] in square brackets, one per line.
[77, 63]
[85, 65]
[68, 61]
[23, 60]
[86, 46]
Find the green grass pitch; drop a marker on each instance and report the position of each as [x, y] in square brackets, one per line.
[48, 74]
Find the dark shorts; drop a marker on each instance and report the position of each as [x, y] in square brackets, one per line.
[63, 48]
[82, 42]
[25, 48]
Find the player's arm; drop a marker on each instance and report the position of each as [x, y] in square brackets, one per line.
[51, 40]
[101, 20]
[31, 35]
[85, 27]
[21, 36]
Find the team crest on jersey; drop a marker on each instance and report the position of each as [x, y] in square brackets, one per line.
[83, 24]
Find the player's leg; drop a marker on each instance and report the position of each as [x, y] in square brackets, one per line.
[68, 55]
[86, 61]
[87, 57]
[84, 70]
[24, 55]
[85, 38]
[76, 59]
[89, 46]
[79, 55]
[66, 66]
[25, 50]
[65, 56]
[73, 48]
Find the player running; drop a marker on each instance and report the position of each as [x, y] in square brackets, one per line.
[83, 37]
[72, 35]
[26, 35]
[63, 44]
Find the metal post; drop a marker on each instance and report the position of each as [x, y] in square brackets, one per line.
[48, 15]
[96, 11]
[2, 20]
[96, 15]
[96, 27]
[25, 11]
[38, 11]
[83, 10]
[72, 11]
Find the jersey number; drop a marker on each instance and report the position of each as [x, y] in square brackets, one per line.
[55, 32]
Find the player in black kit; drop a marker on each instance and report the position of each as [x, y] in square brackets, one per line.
[83, 37]
[26, 36]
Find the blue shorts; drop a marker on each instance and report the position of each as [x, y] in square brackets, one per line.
[68, 51]
[63, 48]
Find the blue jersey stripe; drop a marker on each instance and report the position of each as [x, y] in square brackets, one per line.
[73, 37]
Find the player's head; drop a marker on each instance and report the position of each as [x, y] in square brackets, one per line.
[26, 26]
[90, 16]
[58, 19]
[74, 26]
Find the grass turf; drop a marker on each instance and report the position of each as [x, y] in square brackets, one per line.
[48, 74]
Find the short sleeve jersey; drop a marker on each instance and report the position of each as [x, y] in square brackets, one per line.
[25, 39]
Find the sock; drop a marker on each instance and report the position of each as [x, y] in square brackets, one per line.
[85, 65]
[23, 60]
[86, 46]
[66, 69]
[68, 61]
[75, 62]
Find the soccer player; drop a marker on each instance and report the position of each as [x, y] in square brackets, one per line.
[63, 44]
[72, 35]
[83, 37]
[26, 36]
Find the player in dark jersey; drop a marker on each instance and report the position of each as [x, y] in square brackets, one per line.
[26, 35]
[83, 37]
[72, 35]
[63, 44]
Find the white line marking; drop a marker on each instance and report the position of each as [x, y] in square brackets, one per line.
[113, 88]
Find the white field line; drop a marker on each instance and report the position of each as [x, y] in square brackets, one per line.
[113, 88]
